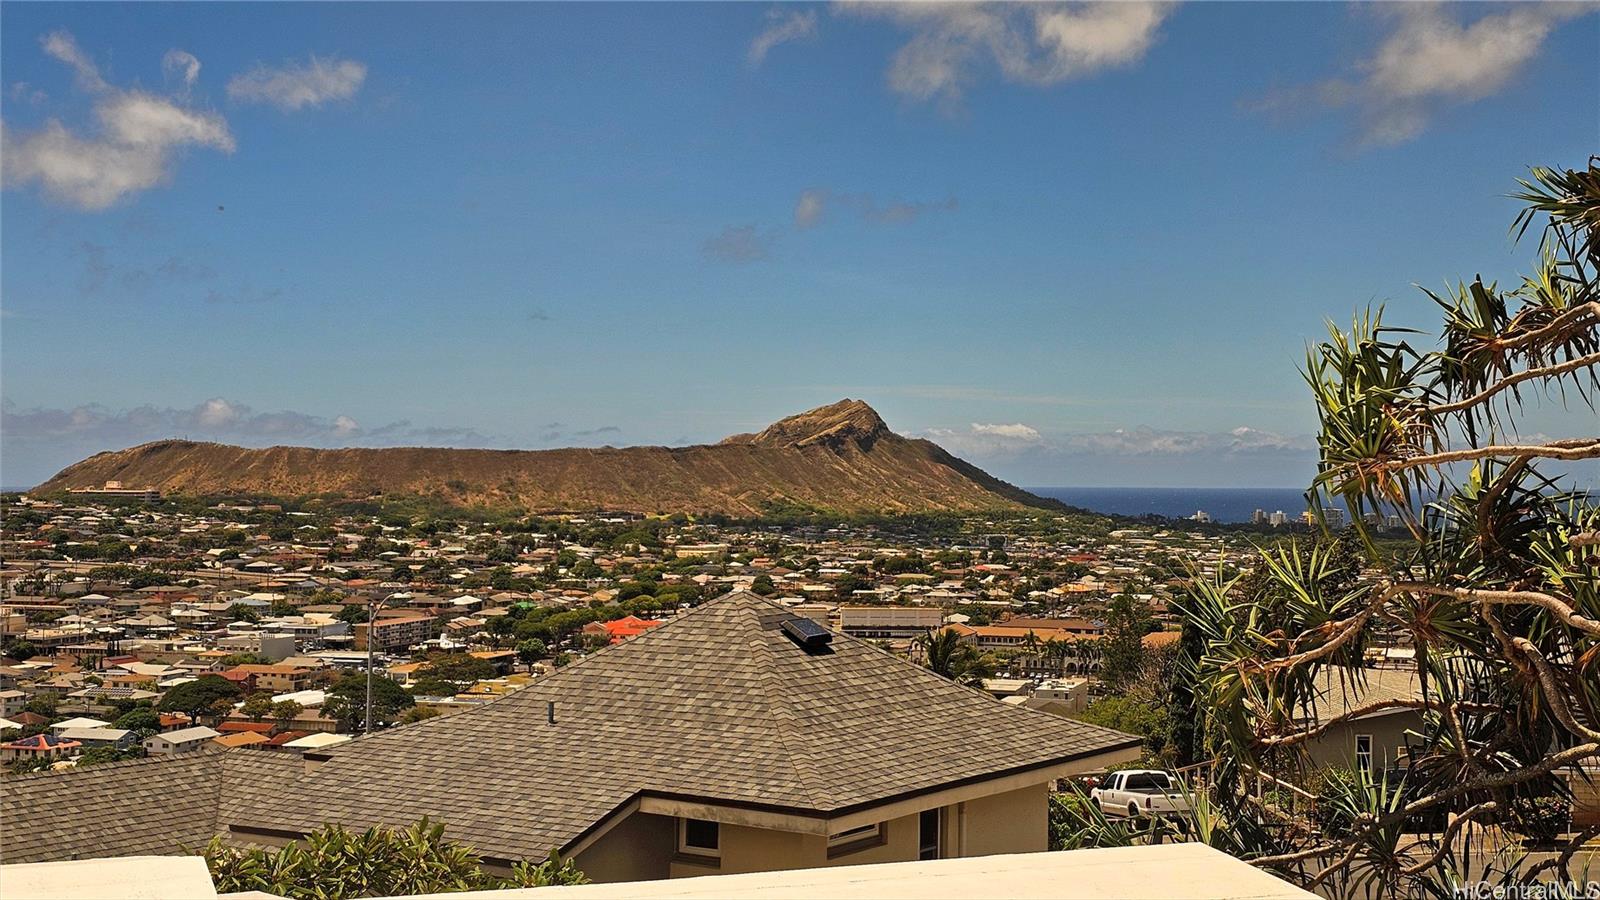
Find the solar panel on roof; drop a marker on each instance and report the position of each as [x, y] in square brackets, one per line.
[807, 633]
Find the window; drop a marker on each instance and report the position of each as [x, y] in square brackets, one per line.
[855, 835]
[1147, 782]
[928, 834]
[1364, 752]
[699, 837]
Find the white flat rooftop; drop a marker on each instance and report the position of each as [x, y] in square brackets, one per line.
[1164, 872]
[119, 878]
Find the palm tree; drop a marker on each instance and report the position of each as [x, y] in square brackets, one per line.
[947, 655]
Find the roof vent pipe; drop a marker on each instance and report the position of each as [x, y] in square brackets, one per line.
[550, 711]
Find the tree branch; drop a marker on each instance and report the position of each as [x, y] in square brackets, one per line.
[1279, 740]
[1554, 326]
[1488, 393]
[1579, 448]
[1552, 690]
[1549, 602]
[1347, 629]
[1449, 834]
[1297, 856]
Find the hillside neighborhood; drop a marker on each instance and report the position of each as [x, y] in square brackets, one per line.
[258, 616]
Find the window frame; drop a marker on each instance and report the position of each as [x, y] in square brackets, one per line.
[861, 837]
[687, 849]
[1364, 758]
[937, 847]
[852, 835]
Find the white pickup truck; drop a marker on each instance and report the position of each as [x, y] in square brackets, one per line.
[1140, 792]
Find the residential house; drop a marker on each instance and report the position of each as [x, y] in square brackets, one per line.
[807, 749]
[278, 679]
[78, 722]
[240, 739]
[1375, 741]
[12, 702]
[120, 738]
[46, 746]
[618, 630]
[183, 740]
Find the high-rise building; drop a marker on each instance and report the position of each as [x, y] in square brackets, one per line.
[1259, 517]
[1278, 519]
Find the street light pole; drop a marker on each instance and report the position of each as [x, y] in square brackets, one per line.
[372, 621]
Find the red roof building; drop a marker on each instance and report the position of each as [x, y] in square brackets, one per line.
[619, 630]
[45, 745]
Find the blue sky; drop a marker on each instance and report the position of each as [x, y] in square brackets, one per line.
[1080, 245]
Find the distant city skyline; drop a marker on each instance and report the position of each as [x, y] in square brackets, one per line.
[1076, 245]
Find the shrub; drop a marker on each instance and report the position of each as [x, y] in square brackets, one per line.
[332, 863]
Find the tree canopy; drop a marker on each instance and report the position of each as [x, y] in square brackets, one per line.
[201, 696]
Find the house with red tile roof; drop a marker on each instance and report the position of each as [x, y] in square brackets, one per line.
[619, 630]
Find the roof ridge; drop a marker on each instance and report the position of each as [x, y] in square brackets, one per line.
[14, 777]
[510, 697]
[787, 728]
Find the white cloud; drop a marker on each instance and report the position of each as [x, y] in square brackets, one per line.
[1431, 58]
[23, 92]
[1009, 440]
[139, 136]
[183, 65]
[215, 413]
[148, 122]
[1037, 44]
[92, 427]
[810, 208]
[64, 47]
[813, 206]
[1016, 431]
[782, 26]
[296, 85]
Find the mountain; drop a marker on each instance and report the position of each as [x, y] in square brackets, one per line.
[840, 458]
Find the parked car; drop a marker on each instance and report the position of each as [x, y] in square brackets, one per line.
[1140, 792]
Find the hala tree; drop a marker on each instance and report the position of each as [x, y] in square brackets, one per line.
[1498, 591]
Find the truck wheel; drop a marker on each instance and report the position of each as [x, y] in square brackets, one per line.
[1133, 810]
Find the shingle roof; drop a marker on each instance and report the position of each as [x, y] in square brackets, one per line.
[158, 805]
[1341, 690]
[717, 705]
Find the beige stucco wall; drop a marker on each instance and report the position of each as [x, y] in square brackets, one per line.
[639, 848]
[1011, 822]
[1337, 746]
[1014, 822]
[746, 849]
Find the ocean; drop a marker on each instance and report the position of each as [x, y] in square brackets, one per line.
[1223, 504]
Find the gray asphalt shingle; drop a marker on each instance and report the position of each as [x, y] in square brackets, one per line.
[718, 704]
